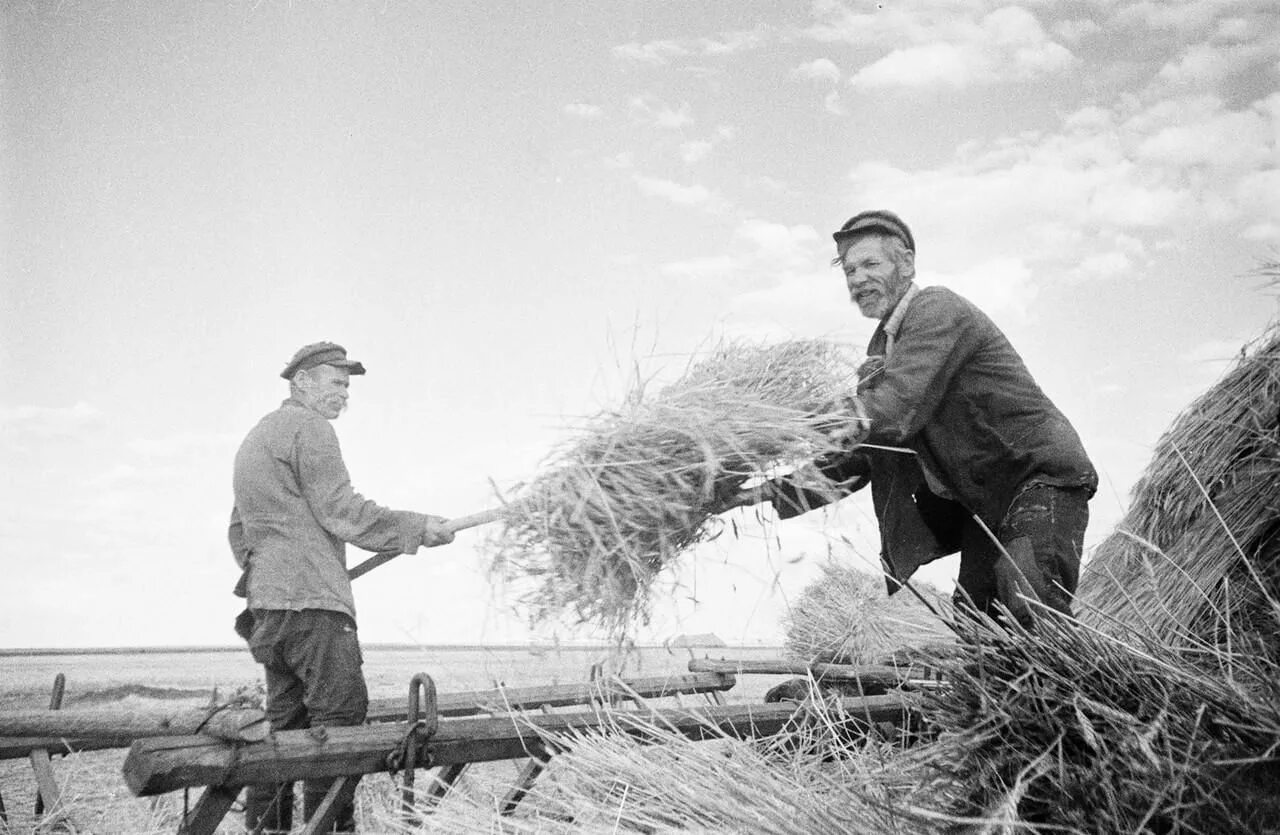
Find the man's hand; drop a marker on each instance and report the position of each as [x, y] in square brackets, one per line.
[741, 498]
[435, 533]
[854, 429]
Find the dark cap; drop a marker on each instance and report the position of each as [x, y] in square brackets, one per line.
[320, 353]
[876, 220]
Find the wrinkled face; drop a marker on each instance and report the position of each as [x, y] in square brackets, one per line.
[323, 389]
[875, 281]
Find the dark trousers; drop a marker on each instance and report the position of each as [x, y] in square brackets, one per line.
[312, 663]
[1043, 533]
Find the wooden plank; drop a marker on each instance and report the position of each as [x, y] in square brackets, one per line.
[524, 782]
[322, 819]
[159, 765]
[874, 680]
[503, 700]
[239, 724]
[46, 784]
[209, 811]
[443, 781]
[47, 794]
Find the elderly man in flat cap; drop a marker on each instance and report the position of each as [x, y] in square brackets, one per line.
[993, 469]
[294, 512]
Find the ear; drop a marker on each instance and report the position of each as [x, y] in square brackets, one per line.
[908, 264]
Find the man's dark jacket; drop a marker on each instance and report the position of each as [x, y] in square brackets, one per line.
[955, 392]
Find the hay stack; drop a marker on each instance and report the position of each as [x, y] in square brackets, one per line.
[1198, 548]
[1070, 730]
[639, 484]
[846, 617]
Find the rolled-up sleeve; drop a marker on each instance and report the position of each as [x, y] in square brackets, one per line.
[338, 508]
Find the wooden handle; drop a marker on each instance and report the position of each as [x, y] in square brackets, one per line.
[461, 523]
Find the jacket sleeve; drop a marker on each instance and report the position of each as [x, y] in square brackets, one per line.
[938, 335]
[338, 508]
[847, 473]
[235, 537]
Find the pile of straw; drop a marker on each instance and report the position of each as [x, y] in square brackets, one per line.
[1072, 730]
[667, 783]
[1201, 540]
[847, 617]
[639, 485]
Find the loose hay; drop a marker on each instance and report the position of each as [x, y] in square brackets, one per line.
[639, 484]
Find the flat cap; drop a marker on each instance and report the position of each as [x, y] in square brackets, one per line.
[875, 220]
[320, 353]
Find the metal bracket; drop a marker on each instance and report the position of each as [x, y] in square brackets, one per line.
[424, 720]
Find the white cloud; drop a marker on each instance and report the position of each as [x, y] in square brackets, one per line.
[664, 51]
[778, 244]
[831, 103]
[944, 46]
[703, 269]
[583, 110]
[661, 114]
[1118, 177]
[1074, 31]
[49, 421]
[768, 249]
[819, 69]
[731, 43]
[654, 53]
[1001, 287]
[695, 150]
[944, 64]
[1104, 265]
[682, 195]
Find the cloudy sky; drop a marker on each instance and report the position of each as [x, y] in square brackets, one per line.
[504, 208]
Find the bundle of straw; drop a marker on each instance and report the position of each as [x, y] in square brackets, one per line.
[1200, 541]
[846, 616]
[1071, 730]
[641, 484]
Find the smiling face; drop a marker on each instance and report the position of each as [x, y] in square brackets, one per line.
[877, 271]
[323, 389]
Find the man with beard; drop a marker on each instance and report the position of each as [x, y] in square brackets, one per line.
[294, 511]
[986, 465]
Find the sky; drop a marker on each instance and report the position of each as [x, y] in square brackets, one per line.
[506, 210]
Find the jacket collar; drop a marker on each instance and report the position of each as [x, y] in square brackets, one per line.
[894, 320]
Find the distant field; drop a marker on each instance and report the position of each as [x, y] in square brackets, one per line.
[26, 678]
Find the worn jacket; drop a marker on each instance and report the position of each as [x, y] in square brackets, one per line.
[954, 391]
[295, 509]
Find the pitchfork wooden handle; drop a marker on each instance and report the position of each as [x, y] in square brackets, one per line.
[484, 517]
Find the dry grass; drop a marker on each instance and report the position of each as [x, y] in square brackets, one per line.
[847, 617]
[1068, 729]
[638, 485]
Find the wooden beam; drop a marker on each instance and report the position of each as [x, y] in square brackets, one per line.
[462, 703]
[209, 810]
[237, 724]
[874, 680]
[507, 699]
[340, 791]
[159, 765]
